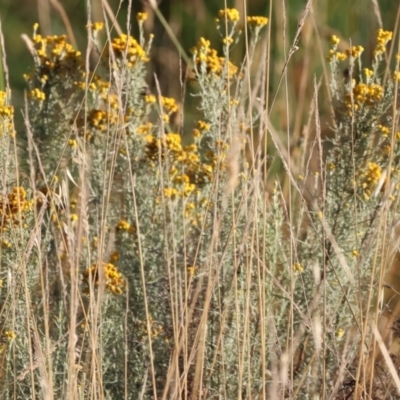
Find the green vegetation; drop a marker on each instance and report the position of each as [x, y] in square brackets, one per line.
[186, 247]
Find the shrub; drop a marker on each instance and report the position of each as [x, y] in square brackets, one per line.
[140, 261]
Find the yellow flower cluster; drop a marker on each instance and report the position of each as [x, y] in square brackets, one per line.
[14, 206]
[6, 111]
[101, 119]
[56, 55]
[156, 329]
[150, 99]
[336, 55]
[206, 57]
[97, 26]
[37, 94]
[124, 226]
[298, 268]
[230, 14]
[192, 270]
[382, 38]
[144, 129]
[257, 21]
[227, 40]
[127, 48]
[384, 130]
[105, 115]
[96, 84]
[97, 121]
[335, 40]
[219, 155]
[370, 178]
[9, 335]
[355, 51]
[141, 16]
[6, 116]
[368, 72]
[169, 105]
[339, 333]
[111, 101]
[171, 142]
[186, 169]
[114, 281]
[365, 94]
[201, 128]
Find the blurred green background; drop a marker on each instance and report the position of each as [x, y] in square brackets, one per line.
[190, 19]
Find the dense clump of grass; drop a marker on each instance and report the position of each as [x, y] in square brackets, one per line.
[139, 260]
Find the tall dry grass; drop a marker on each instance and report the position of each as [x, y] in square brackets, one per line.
[147, 256]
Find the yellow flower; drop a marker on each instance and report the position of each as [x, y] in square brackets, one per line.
[141, 16]
[374, 172]
[396, 76]
[73, 143]
[367, 94]
[203, 126]
[384, 130]
[335, 40]
[297, 267]
[188, 189]
[169, 105]
[331, 166]
[196, 133]
[127, 49]
[170, 193]
[355, 51]
[144, 129]
[230, 14]
[189, 208]
[192, 269]
[5, 110]
[97, 26]
[6, 244]
[370, 178]
[257, 21]
[207, 59]
[382, 38]
[114, 280]
[341, 56]
[368, 72]
[227, 40]
[123, 225]
[339, 333]
[150, 99]
[37, 94]
[331, 55]
[10, 335]
[173, 141]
